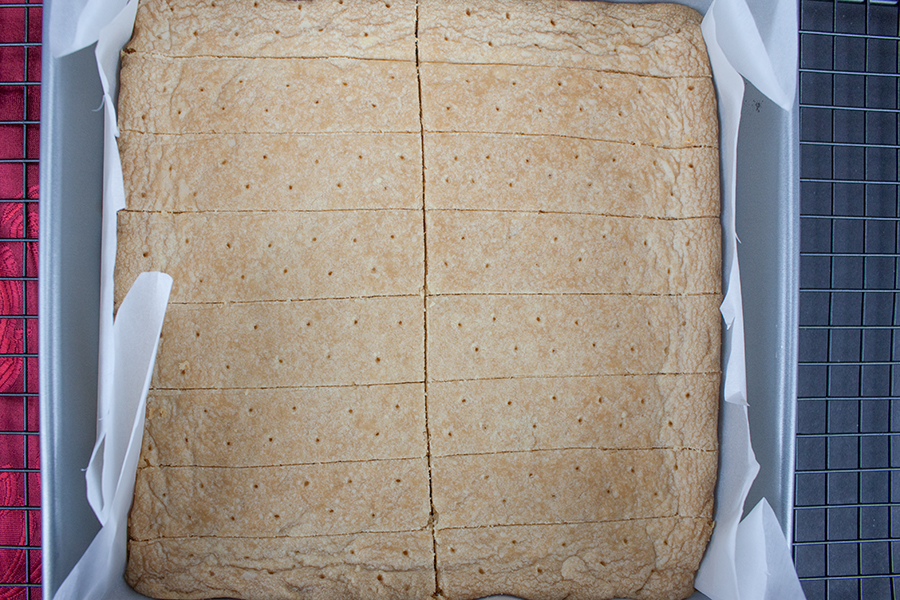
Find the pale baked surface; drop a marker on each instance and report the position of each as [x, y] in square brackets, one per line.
[639, 559]
[571, 486]
[363, 29]
[445, 315]
[238, 95]
[363, 565]
[273, 426]
[291, 344]
[478, 171]
[485, 252]
[603, 106]
[661, 40]
[606, 412]
[277, 501]
[565, 335]
[284, 255]
[284, 172]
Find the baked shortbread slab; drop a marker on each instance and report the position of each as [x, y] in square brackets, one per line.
[445, 319]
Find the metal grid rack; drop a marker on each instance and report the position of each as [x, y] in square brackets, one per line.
[20, 75]
[847, 506]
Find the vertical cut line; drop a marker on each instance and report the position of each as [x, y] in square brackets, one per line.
[433, 514]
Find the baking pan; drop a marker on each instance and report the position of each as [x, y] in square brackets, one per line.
[71, 188]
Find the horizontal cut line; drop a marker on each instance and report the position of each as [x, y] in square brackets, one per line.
[286, 465]
[555, 294]
[335, 535]
[564, 68]
[563, 523]
[423, 457]
[213, 132]
[292, 300]
[285, 387]
[571, 137]
[514, 377]
[404, 209]
[273, 537]
[600, 449]
[254, 211]
[574, 212]
[427, 131]
[278, 133]
[451, 294]
[410, 61]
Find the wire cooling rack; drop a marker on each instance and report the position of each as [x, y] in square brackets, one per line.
[20, 487]
[847, 506]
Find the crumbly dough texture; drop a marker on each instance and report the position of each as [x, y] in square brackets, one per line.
[445, 315]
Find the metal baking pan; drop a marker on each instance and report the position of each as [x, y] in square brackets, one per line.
[71, 188]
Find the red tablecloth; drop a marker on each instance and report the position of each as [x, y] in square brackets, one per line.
[20, 488]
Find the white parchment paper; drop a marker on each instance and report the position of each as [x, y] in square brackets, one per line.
[747, 559]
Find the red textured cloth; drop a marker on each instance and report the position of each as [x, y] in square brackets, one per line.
[20, 486]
